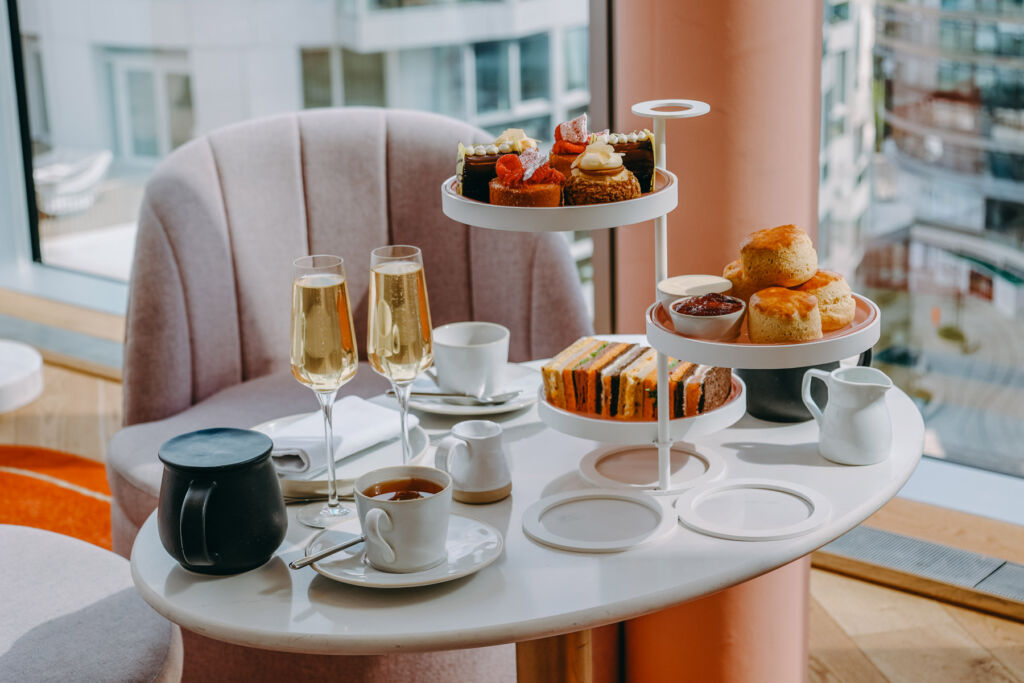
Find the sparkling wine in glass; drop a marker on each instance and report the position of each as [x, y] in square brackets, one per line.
[398, 339]
[323, 356]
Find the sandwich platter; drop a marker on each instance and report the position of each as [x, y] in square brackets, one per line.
[627, 432]
[650, 205]
[856, 337]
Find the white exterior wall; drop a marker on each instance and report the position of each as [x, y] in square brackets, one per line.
[244, 56]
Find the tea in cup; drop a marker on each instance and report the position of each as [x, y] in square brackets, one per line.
[403, 511]
[470, 357]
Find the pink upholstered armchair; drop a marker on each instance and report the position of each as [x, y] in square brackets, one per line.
[222, 220]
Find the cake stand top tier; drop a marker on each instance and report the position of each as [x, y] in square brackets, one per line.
[662, 199]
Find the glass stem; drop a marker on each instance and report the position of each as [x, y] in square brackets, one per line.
[402, 391]
[326, 399]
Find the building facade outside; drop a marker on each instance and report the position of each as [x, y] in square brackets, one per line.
[847, 132]
[137, 79]
[944, 252]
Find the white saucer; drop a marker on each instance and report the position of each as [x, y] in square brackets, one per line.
[346, 470]
[517, 377]
[472, 545]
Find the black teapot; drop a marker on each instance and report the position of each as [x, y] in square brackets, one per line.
[220, 509]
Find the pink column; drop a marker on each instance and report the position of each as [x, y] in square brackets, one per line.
[753, 161]
[755, 631]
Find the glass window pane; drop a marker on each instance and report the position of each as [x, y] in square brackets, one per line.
[180, 118]
[431, 79]
[142, 113]
[534, 67]
[536, 126]
[363, 78]
[316, 79]
[576, 58]
[491, 76]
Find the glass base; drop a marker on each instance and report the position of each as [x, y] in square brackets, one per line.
[322, 515]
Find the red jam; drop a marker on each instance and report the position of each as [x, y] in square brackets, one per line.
[708, 305]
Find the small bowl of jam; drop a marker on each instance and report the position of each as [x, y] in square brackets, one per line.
[713, 316]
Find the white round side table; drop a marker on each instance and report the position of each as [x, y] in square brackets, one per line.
[21, 375]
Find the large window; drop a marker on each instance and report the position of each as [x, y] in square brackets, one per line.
[109, 97]
[932, 213]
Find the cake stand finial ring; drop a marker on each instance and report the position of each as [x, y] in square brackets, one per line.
[683, 109]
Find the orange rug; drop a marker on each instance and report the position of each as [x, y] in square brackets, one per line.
[56, 491]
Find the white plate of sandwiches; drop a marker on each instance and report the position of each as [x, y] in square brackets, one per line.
[607, 391]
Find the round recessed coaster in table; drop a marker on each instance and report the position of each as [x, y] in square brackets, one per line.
[636, 468]
[753, 509]
[597, 520]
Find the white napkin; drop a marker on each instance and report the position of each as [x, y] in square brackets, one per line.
[358, 424]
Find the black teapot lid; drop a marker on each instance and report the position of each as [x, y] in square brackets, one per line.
[220, 448]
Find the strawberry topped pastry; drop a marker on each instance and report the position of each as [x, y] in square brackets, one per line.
[526, 180]
[571, 138]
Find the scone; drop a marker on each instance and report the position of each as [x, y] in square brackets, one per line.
[741, 287]
[835, 301]
[779, 315]
[778, 257]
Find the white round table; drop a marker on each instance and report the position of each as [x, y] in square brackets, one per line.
[532, 591]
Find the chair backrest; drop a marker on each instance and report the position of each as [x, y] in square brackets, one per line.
[225, 215]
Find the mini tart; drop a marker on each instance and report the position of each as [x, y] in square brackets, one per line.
[512, 187]
[780, 315]
[539, 194]
[600, 187]
[562, 162]
[835, 300]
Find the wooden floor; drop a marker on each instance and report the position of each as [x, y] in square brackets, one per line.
[860, 632]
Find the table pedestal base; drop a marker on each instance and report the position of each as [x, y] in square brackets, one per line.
[754, 631]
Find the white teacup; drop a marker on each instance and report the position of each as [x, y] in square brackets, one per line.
[404, 536]
[470, 357]
[476, 459]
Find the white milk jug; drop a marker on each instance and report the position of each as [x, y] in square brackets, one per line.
[855, 428]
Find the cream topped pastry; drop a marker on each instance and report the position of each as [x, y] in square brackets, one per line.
[599, 176]
[598, 156]
[638, 148]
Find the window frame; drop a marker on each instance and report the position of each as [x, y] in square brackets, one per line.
[20, 266]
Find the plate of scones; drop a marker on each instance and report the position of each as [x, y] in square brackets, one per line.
[796, 314]
[588, 180]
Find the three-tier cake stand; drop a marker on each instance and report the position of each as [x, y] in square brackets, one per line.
[647, 439]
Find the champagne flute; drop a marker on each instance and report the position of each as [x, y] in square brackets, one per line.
[398, 341]
[323, 356]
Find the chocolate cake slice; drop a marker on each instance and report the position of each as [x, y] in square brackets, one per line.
[475, 165]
